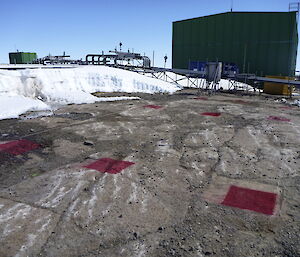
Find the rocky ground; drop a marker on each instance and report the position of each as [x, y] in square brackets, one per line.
[174, 199]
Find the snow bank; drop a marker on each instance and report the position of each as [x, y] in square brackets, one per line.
[38, 89]
[13, 106]
[226, 85]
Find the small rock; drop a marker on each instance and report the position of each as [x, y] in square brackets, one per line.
[88, 143]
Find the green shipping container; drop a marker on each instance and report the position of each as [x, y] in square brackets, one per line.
[21, 58]
[263, 43]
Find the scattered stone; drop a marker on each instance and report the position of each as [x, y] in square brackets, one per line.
[89, 143]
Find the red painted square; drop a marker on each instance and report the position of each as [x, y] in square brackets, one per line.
[214, 114]
[109, 165]
[201, 98]
[18, 147]
[153, 106]
[249, 199]
[278, 118]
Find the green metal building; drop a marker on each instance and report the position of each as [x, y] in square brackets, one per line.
[22, 57]
[264, 43]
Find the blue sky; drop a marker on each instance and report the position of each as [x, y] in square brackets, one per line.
[80, 27]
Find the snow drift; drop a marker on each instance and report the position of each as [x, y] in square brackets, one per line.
[39, 89]
[13, 106]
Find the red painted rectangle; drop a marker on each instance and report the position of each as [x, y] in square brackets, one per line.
[109, 165]
[249, 199]
[214, 114]
[278, 118]
[18, 147]
[201, 98]
[153, 106]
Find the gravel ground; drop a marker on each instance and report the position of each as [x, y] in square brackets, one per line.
[173, 201]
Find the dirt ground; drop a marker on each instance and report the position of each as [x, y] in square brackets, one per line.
[174, 200]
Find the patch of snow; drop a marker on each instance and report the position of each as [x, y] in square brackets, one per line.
[7, 219]
[71, 210]
[92, 203]
[296, 102]
[41, 89]
[140, 250]
[46, 221]
[117, 187]
[144, 203]
[12, 106]
[226, 85]
[133, 195]
[282, 100]
[30, 242]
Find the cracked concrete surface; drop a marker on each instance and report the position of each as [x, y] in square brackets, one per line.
[168, 202]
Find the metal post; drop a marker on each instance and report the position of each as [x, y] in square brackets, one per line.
[165, 58]
[153, 59]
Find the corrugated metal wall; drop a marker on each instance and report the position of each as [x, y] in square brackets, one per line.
[261, 43]
[21, 57]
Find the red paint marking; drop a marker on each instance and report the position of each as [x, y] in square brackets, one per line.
[109, 165]
[249, 199]
[214, 114]
[153, 106]
[18, 147]
[278, 118]
[201, 98]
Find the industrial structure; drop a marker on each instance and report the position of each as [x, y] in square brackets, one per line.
[56, 59]
[261, 43]
[119, 58]
[190, 65]
[22, 57]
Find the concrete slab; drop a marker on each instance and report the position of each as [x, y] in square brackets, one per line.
[24, 229]
[168, 202]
